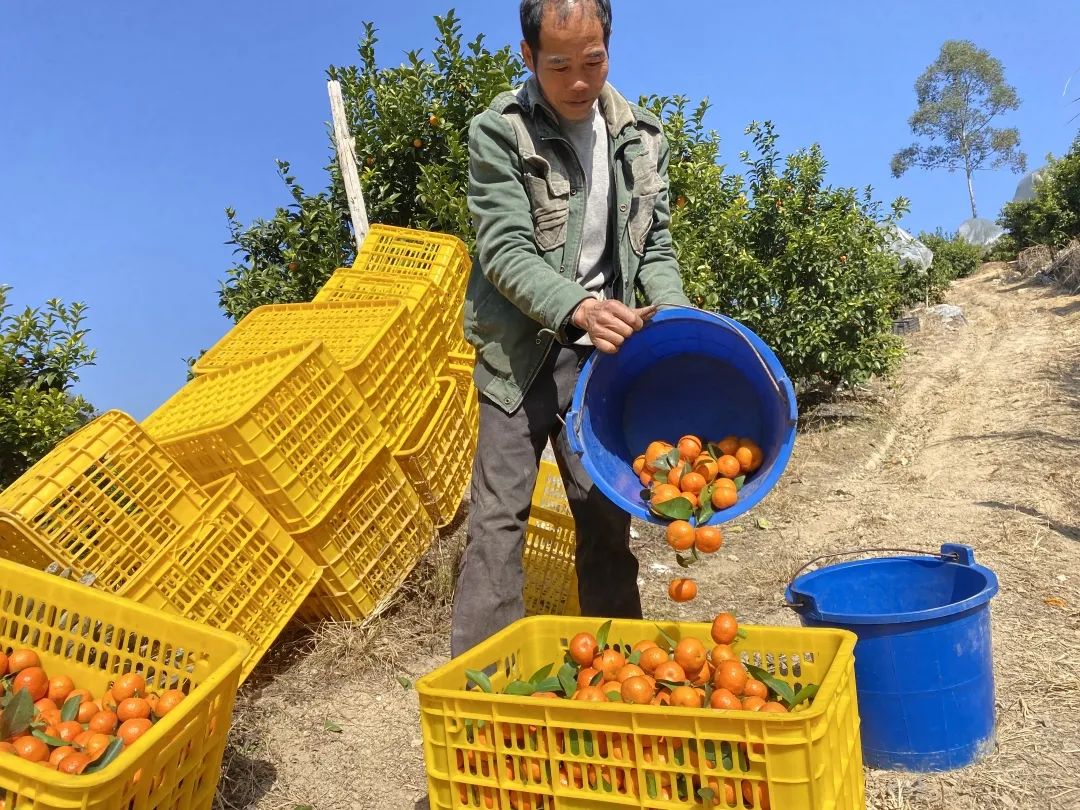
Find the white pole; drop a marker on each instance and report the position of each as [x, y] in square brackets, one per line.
[347, 163]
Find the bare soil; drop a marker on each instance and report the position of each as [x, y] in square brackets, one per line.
[975, 440]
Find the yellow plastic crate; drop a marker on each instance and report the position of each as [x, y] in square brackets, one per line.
[460, 370]
[549, 492]
[105, 501]
[439, 258]
[236, 569]
[290, 424]
[550, 576]
[437, 458]
[480, 749]
[368, 543]
[428, 271]
[95, 637]
[375, 342]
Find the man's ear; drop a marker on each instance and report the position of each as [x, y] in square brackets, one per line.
[527, 55]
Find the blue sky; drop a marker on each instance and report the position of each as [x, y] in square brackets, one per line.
[126, 128]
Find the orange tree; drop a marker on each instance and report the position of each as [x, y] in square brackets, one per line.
[41, 352]
[411, 127]
[803, 264]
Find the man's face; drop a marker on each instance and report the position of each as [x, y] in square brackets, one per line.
[572, 63]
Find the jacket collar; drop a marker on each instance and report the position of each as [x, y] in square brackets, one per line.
[613, 107]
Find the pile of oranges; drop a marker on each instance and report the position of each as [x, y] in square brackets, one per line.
[706, 476]
[689, 673]
[694, 479]
[46, 720]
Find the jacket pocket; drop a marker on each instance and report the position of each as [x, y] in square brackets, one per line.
[549, 195]
[640, 221]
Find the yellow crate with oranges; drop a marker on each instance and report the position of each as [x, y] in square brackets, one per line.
[500, 731]
[82, 638]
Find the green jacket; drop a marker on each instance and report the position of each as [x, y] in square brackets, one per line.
[527, 199]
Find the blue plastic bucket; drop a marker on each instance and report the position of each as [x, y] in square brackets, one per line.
[923, 661]
[686, 372]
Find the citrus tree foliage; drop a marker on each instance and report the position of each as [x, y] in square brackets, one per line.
[40, 357]
[802, 264]
[410, 124]
[1052, 217]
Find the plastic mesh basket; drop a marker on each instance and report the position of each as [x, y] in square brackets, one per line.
[376, 343]
[105, 501]
[235, 569]
[290, 424]
[499, 750]
[367, 544]
[94, 637]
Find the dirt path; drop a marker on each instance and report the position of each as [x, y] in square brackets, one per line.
[977, 440]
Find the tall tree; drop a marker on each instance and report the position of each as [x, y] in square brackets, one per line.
[959, 95]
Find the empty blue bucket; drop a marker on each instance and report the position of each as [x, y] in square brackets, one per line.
[686, 372]
[923, 661]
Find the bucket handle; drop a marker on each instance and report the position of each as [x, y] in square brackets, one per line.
[792, 412]
[953, 552]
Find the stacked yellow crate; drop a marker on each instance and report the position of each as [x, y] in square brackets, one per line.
[550, 545]
[112, 506]
[427, 272]
[293, 427]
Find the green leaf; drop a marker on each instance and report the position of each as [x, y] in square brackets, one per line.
[596, 679]
[70, 709]
[739, 481]
[519, 688]
[675, 509]
[705, 510]
[17, 715]
[706, 794]
[714, 450]
[552, 684]
[776, 686]
[568, 679]
[634, 657]
[602, 634]
[808, 692]
[48, 739]
[541, 674]
[672, 643]
[332, 727]
[405, 682]
[673, 684]
[112, 751]
[685, 562]
[480, 679]
[764, 524]
[669, 459]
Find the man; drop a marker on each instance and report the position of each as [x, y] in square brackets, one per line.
[569, 194]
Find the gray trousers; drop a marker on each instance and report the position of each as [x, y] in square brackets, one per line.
[489, 587]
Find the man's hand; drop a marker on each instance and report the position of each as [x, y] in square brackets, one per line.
[609, 322]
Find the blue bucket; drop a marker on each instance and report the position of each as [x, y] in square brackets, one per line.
[923, 661]
[686, 372]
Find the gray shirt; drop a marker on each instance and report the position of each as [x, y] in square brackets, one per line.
[590, 141]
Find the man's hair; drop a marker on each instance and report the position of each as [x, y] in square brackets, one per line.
[532, 11]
